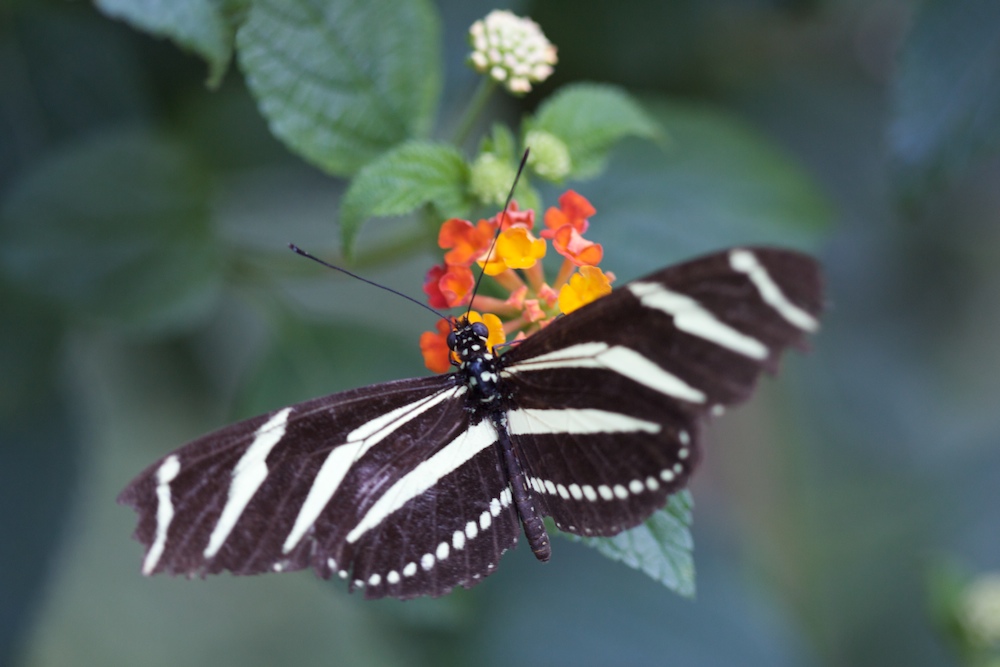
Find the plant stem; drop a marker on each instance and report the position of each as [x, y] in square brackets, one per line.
[472, 111]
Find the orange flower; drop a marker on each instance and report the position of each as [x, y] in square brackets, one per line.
[467, 242]
[434, 347]
[514, 217]
[568, 243]
[456, 285]
[574, 210]
[588, 285]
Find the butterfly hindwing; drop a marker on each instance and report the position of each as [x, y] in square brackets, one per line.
[613, 395]
[452, 536]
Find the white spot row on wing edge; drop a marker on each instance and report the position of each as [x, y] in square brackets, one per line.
[458, 541]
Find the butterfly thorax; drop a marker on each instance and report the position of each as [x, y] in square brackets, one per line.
[478, 367]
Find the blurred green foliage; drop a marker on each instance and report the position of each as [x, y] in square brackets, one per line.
[147, 193]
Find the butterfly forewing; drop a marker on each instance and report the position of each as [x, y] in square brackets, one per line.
[614, 394]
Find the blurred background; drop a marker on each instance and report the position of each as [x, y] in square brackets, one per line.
[147, 297]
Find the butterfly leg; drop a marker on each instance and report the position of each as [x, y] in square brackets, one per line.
[534, 527]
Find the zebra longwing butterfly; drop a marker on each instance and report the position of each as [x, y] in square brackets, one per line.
[417, 486]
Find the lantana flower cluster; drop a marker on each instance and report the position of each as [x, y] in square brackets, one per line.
[529, 301]
[511, 50]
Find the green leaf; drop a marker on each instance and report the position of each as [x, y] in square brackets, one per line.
[661, 546]
[342, 82]
[403, 180]
[946, 98]
[500, 141]
[590, 119]
[722, 183]
[115, 227]
[196, 25]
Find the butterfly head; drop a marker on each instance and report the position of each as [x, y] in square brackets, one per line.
[476, 362]
[468, 340]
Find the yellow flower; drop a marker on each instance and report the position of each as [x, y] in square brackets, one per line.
[519, 249]
[589, 284]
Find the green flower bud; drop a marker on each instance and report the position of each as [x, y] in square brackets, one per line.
[549, 156]
[490, 179]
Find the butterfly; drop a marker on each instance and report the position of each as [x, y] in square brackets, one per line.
[416, 486]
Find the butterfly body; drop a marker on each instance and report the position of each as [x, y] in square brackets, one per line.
[413, 487]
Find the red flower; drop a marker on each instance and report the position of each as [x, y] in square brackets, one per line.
[432, 287]
[449, 286]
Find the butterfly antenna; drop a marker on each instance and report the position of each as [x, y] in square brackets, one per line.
[299, 251]
[503, 217]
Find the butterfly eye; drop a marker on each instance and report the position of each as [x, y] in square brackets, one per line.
[480, 330]
[451, 340]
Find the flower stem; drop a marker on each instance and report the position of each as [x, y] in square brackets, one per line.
[536, 276]
[565, 271]
[472, 111]
[491, 304]
[509, 280]
[511, 326]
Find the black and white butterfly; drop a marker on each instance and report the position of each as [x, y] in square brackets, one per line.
[417, 486]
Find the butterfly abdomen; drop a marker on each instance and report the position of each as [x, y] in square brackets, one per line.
[480, 369]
